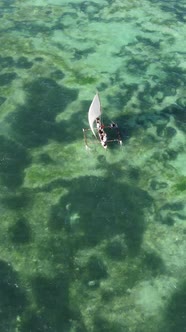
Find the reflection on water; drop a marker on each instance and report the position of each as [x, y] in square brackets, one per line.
[92, 241]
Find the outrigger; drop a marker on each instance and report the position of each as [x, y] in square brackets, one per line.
[94, 115]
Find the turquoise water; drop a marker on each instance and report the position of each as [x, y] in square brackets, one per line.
[92, 241]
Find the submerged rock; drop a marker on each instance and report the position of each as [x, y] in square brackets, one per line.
[117, 248]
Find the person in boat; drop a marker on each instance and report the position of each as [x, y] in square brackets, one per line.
[113, 125]
[103, 138]
[101, 133]
[98, 123]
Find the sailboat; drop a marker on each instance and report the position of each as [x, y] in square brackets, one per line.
[94, 118]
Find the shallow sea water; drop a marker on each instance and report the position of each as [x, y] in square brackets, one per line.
[92, 241]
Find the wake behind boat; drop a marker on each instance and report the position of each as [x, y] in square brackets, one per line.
[98, 128]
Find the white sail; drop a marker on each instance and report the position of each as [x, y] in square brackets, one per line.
[94, 112]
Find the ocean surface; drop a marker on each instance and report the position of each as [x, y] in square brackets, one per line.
[92, 240]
